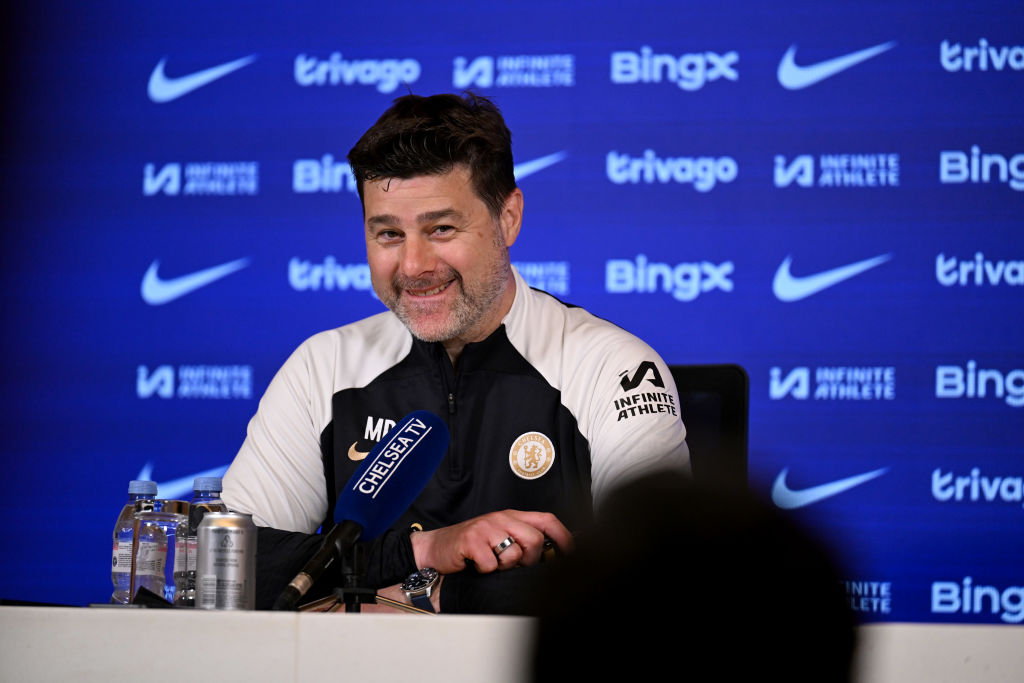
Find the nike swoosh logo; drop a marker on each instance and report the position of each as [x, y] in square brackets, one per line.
[355, 455]
[530, 167]
[789, 499]
[156, 291]
[182, 487]
[794, 77]
[164, 89]
[787, 287]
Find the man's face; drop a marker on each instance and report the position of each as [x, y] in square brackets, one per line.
[437, 257]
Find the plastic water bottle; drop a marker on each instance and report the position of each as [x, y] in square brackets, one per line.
[205, 499]
[121, 558]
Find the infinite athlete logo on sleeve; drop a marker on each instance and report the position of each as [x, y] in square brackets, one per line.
[643, 402]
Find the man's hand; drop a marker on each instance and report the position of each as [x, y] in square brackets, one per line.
[447, 549]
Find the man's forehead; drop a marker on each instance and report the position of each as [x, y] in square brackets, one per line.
[419, 198]
[457, 175]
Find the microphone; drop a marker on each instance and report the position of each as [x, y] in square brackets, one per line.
[385, 484]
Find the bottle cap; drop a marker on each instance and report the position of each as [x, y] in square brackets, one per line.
[208, 484]
[139, 486]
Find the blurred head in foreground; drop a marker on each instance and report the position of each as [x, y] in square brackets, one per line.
[712, 584]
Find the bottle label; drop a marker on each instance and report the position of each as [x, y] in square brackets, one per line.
[151, 558]
[193, 552]
[121, 562]
[180, 556]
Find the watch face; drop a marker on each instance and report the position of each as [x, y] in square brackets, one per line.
[420, 579]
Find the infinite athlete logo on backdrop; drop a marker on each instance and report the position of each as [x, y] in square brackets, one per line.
[515, 71]
[869, 596]
[222, 178]
[553, 277]
[832, 383]
[838, 170]
[195, 382]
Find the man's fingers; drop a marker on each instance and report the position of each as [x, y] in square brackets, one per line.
[479, 541]
[510, 556]
[547, 524]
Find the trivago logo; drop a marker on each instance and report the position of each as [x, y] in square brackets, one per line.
[983, 57]
[975, 487]
[385, 74]
[330, 275]
[701, 172]
[979, 271]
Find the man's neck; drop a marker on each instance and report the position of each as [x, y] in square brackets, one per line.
[455, 346]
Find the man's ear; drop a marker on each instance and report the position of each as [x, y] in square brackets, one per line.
[511, 218]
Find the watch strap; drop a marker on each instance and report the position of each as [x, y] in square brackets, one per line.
[423, 602]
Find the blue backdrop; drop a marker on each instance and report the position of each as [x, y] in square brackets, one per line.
[829, 194]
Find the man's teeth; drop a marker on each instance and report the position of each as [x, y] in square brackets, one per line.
[431, 292]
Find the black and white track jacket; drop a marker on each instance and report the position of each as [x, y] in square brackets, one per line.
[548, 413]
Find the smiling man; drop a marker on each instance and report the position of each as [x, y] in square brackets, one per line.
[438, 258]
[531, 389]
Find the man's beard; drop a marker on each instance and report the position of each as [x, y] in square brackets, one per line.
[468, 309]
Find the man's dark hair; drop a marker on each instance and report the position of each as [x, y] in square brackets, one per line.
[431, 135]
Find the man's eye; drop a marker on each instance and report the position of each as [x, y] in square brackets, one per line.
[441, 230]
[388, 236]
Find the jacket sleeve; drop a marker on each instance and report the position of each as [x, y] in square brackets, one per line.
[277, 475]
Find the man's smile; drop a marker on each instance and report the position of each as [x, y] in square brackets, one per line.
[429, 292]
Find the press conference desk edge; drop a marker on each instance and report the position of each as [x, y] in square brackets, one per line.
[113, 645]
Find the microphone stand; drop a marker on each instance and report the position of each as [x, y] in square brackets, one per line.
[353, 577]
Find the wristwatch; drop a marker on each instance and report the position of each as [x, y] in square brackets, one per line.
[420, 585]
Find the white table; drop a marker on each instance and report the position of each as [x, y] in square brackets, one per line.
[108, 645]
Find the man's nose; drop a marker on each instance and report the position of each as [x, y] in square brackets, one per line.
[418, 257]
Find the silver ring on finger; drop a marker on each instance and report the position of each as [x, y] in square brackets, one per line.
[504, 545]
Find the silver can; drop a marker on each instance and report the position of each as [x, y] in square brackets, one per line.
[226, 562]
